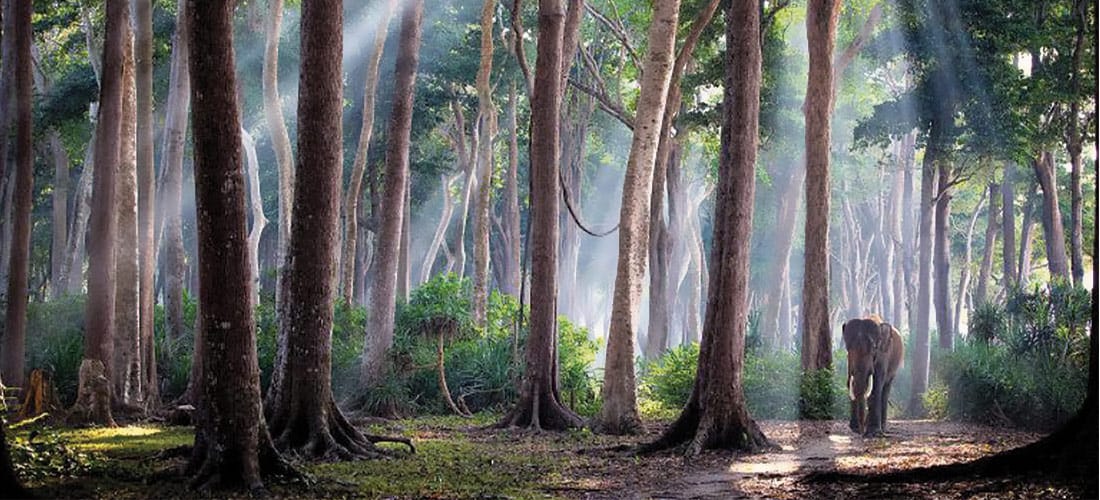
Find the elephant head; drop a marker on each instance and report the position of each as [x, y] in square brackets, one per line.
[874, 354]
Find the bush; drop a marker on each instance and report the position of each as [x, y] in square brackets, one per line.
[771, 384]
[55, 343]
[42, 454]
[669, 379]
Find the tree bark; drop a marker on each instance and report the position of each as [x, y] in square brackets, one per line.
[102, 259]
[232, 446]
[964, 272]
[512, 235]
[920, 352]
[1026, 239]
[1008, 226]
[60, 212]
[256, 204]
[280, 138]
[82, 211]
[821, 22]
[13, 342]
[379, 337]
[485, 165]
[619, 411]
[908, 227]
[126, 372]
[1074, 142]
[359, 164]
[991, 228]
[941, 259]
[716, 415]
[146, 182]
[539, 405]
[447, 210]
[171, 195]
[1054, 233]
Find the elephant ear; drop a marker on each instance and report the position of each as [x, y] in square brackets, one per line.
[882, 336]
[850, 334]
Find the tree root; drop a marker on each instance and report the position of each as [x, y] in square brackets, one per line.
[697, 430]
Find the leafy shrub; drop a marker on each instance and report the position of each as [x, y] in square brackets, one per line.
[669, 379]
[987, 323]
[771, 384]
[174, 355]
[818, 395]
[55, 342]
[576, 354]
[42, 454]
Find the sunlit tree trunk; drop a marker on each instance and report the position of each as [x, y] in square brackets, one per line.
[146, 180]
[1074, 142]
[539, 405]
[256, 204]
[941, 259]
[446, 211]
[1008, 226]
[787, 199]
[1027, 226]
[359, 164]
[716, 415]
[13, 341]
[619, 410]
[232, 446]
[280, 138]
[379, 336]
[919, 353]
[1054, 233]
[964, 272]
[909, 230]
[991, 228]
[171, 195]
[821, 19]
[93, 400]
[510, 203]
[484, 169]
[82, 211]
[126, 375]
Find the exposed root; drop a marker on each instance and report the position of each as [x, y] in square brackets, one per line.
[695, 431]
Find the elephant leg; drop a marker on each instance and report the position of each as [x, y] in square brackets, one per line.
[876, 411]
[854, 423]
[885, 403]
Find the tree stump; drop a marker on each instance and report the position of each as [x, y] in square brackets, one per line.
[93, 397]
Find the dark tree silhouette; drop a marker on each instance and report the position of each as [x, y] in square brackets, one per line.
[715, 415]
[233, 448]
[9, 483]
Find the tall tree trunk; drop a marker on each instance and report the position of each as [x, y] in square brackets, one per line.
[787, 201]
[1054, 234]
[60, 213]
[716, 415]
[619, 411]
[539, 405]
[510, 218]
[126, 374]
[991, 228]
[403, 255]
[941, 259]
[300, 405]
[13, 342]
[280, 138]
[1008, 226]
[446, 211]
[379, 337]
[82, 211]
[486, 114]
[920, 351]
[146, 181]
[909, 229]
[821, 19]
[1026, 239]
[359, 165]
[232, 446]
[171, 195]
[964, 272]
[1074, 142]
[256, 204]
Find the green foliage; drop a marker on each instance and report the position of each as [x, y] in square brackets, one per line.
[1027, 368]
[576, 353]
[669, 379]
[55, 342]
[936, 401]
[987, 323]
[771, 384]
[174, 355]
[44, 454]
[818, 395]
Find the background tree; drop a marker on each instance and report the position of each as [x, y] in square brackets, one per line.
[232, 446]
[715, 415]
[383, 292]
[126, 372]
[487, 120]
[619, 411]
[146, 179]
[280, 138]
[171, 195]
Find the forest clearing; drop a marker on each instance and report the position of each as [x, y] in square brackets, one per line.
[548, 249]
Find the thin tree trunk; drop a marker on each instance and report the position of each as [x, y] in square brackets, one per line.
[920, 351]
[787, 200]
[280, 138]
[82, 210]
[816, 333]
[512, 235]
[13, 342]
[93, 406]
[359, 165]
[1008, 226]
[539, 405]
[716, 415]
[486, 114]
[60, 212]
[146, 182]
[126, 374]
[440, 230]
[256, 203]
[379, 336]
[171, 195]
[1054, 233]
[232, 446]
[909, 229]
[1074, 141]
[991, 229]
[1024, 265]
[941, 259]
[619, 411]
[964, 272]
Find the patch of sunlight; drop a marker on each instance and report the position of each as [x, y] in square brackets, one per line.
[836, 438]
[127, 440]
[783, 464]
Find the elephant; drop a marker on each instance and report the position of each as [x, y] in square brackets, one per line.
[875, 352]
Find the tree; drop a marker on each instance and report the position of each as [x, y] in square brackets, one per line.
[1054, 233]
[94, 395]
[487, 114]
[280, 138]
[539, 405]
[359, 165]
[941, 257]
[232, 446]
[821, 20]
[619, 411]
[300, 406]
[146, 179]
[171, 196]
[383, 292]
[715, 415]
[13, 345]
[126, 373]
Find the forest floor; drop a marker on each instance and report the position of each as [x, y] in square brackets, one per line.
[460, 458]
